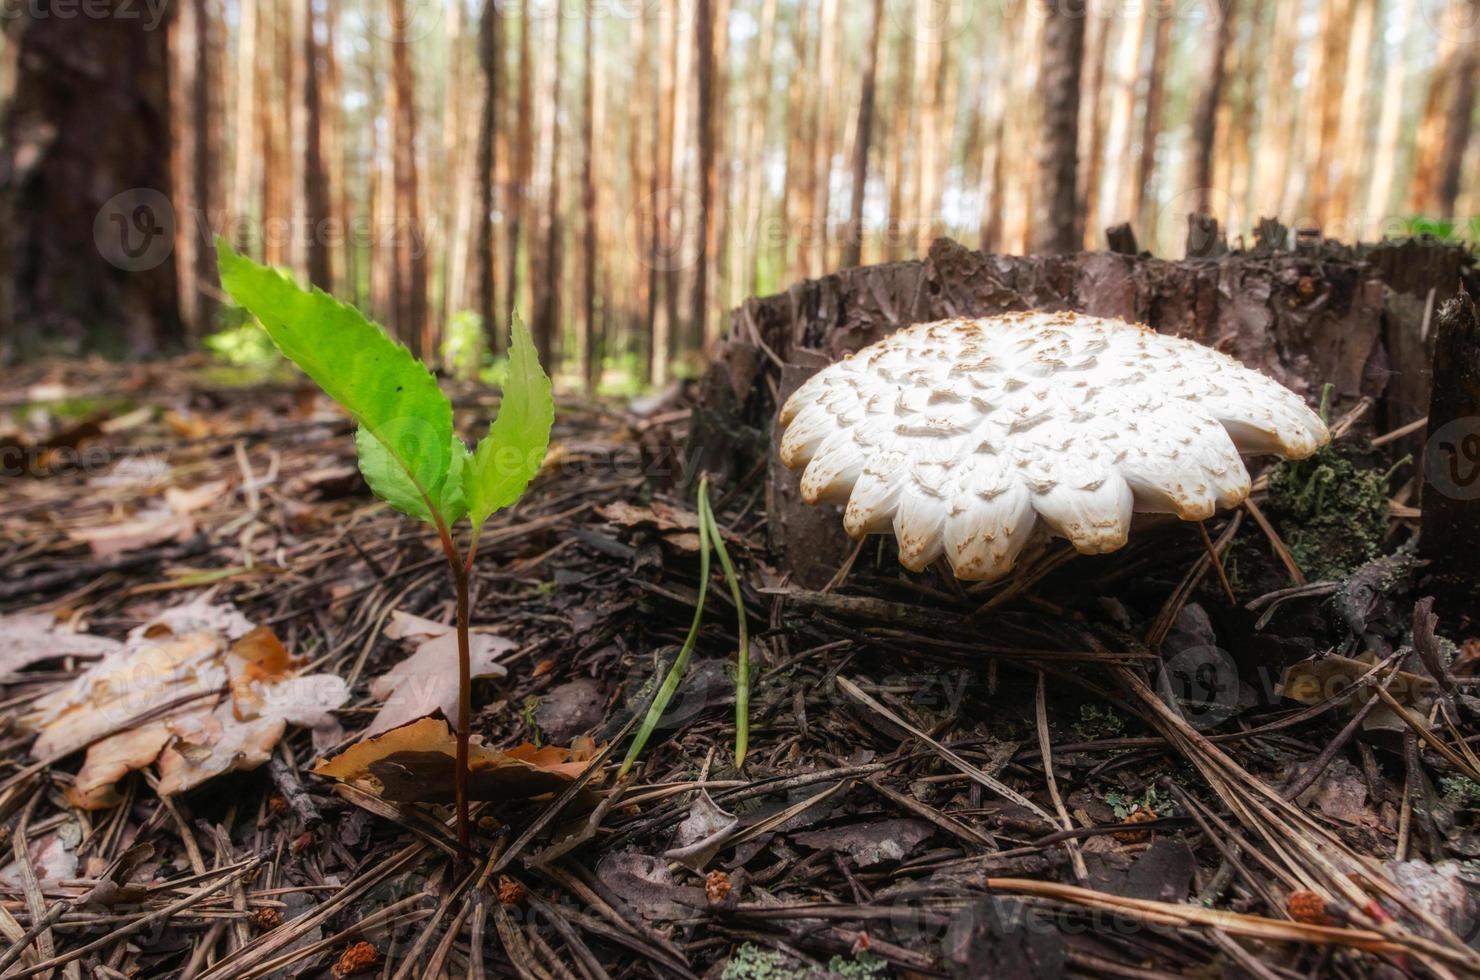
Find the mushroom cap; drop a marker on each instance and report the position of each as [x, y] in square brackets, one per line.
[960, 435]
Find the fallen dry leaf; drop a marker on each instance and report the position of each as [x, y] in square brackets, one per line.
[153, 526]
[427, 681]
[414, 764]
[1315, 680]
[26, 638]
[235, 701]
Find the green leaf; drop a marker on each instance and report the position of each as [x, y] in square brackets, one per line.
[394, 398]
[509, 456]
[390, 482]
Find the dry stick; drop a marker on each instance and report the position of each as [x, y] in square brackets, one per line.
[991, 783]
[1046, 750]
[1217, 562]
[1275, 542]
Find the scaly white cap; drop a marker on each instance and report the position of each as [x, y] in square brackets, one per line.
[959, 435]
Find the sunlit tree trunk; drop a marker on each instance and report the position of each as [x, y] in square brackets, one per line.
[895, 161]
[824, 134]
[1355, 122]
[1389, 127]
[1459, 123]
[705, 126]
[930, 53]
[660, 196]
[1141, 189]
[1116, 200]
[490, 53]
[587, 358]
[546, 323]
[316, 198]
[853, 237]
[243, 174]
[640, 125]
[1093, 118]
[1204, 127]
[1054, 226]
[521, 170]
[752, 211]
[409, 270]
[1277, 114]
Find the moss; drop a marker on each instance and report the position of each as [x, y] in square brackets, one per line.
[1331, 512]
[751, 962]
[1097, 722]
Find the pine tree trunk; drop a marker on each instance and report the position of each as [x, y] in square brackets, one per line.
[896, 227]
[409, 268]
[752, 213]
[1458, 123]
[1116, 200]
[1055, 225]
[490, 52]
[86, 227]
[243, 172]
[1093, 121]
[522, 167]
[639, 160]
[825, 135]
[704, 122]
[546, 326]
[1277, 114]
[1389, 126]
[853, 238]
[315, 177]
[1141, 198]
[588, 355]
[1204, 128]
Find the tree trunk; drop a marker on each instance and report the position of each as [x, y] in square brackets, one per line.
[1093, 120]
[1355, 122]
[315, 175]
[1151, 124]
[589, 362]
[243, 172]
[824, 134]
[86, 225]
[639, 160]
[522, 168]
[660, 197]
[1205, 117]
[752, 202]
[195, 132]
[409, 269]
[490, 48]
[1272, 165]
[546, 326]
[853, 238]
[704, 122]
[1389, 127]
[900, 130]
[1116, 200]
[1457, 125]
[1055, 225]
[343, 264]
[930, 54]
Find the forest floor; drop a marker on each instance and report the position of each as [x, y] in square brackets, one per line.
[1102, 768]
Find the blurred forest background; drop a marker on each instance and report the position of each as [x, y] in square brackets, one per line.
[622, 172]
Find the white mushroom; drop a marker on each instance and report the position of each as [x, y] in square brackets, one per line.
[960, 435]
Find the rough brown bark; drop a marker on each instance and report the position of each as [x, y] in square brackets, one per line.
[86, 227]
[490, 48]
[1055, 226]
[853, 236]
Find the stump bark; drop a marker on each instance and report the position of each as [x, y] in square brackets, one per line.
[1353, 316]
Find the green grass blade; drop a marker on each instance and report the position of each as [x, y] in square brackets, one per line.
[742, 661]
[391, 394]
[675, 673]
[509, 456]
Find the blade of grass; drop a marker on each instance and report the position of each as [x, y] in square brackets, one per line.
[680, 663]
[742, 661]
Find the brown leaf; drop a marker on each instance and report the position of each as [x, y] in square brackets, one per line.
[1313, 681]
[26, 638]
[414, 764]
[150, 528]
[427, 681]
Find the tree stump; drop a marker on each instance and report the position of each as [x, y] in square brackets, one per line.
[1352, 316]
[1450, 539]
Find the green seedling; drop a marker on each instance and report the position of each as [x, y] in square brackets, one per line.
[408, 452]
